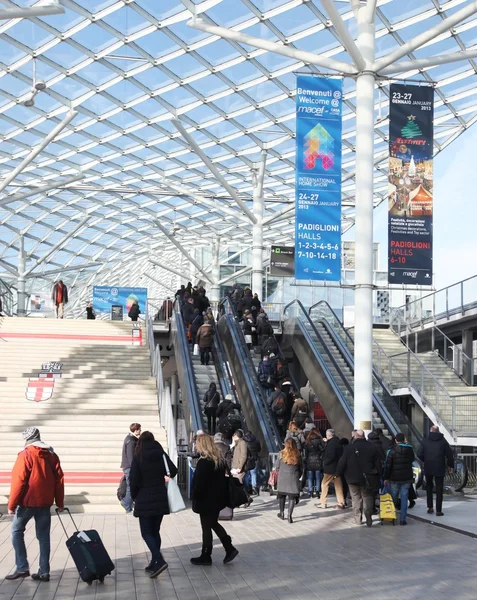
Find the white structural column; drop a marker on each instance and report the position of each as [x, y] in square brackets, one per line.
[21, 288]
[257, 230]
[363, 359]
[215, 289]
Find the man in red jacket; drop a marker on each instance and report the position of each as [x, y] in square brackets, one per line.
[37, 483]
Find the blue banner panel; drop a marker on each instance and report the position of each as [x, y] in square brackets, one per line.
[411, 184]
[104, 297]
[318, 179]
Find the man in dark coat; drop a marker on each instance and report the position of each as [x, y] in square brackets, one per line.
[228, 421]
[375, 439]
[385, 441]
[59, 295]
[437, 456]
[187, 310]
[254, 449]
[129, 447]
[361, 467]
[331, 456]
[398, 471]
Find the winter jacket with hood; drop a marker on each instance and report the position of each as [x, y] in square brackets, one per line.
[253, 444]
[314, 449]
[148, 488]
[37, 478]
[299, 411]
[375, 439]
[399, 461]
[205, 336]
[435, 452]
[196, 322]
[360, 463]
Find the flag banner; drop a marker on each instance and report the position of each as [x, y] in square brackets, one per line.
[318, 179]
[410, 209]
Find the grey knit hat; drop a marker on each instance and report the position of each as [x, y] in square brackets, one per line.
[31, 434]
[218, 438]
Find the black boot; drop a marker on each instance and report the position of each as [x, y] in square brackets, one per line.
[291, 507]
[281, 503]
[204, 559]
[230, 551]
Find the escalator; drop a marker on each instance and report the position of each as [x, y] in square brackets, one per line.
[255, 409]
[194, 378]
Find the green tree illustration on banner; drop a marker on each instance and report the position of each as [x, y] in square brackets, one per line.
[411, 129]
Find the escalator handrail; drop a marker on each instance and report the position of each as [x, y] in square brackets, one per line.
[184, 359]
[331, 379]
[251, 375]
[382, 410]
[327, 350]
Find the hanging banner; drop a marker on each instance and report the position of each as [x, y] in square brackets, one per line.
[411, 114]
[318, 179]
[282, 261]
[107, 297]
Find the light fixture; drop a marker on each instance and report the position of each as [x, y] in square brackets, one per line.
[37, 87]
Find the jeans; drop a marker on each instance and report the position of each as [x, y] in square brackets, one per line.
[42, 518]
[150, 533]
[211, 523]
[251, 478]
[314, 477]
[439, 492]
[401, 488]
[204, 356]
[127, 501]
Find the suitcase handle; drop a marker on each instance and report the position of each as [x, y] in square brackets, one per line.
[71, 517]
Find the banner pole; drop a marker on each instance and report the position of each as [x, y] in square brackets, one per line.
[363, 372]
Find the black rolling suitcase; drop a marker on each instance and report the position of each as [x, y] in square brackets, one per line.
[88, 552]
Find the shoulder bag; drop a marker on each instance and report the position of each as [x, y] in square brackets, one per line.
[174, 496]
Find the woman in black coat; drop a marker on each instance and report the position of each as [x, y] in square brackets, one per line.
[147, 478]
[209, 497]
[134, 311]
[196, 322]
[314, 447]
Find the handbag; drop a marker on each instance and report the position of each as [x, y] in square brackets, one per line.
[248, 339]
[273, 479]
[236, 493]
[174, 496]
[196, 350]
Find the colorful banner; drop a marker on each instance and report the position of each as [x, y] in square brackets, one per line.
[411, 114]
[104, 297]
[41, 304]
[318, 179]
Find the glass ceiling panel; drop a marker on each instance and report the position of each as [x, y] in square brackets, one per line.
[123, 137]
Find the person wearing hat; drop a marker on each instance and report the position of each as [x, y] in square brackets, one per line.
[37, 483]
[228, 420]
[224, 448]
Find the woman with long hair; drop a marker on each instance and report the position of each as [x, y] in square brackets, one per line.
[209, 497]
[314, 447]
[148, 477]
[290, 469]
[296, 434]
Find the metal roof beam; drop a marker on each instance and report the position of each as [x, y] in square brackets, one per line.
[243, 38]
[41, 190]
[156, 262]
[343, 33]
[433, 61]
[212, 168]
[278, 214]
[184, 252]
[64, 269]
[426, 36]
[44, 10]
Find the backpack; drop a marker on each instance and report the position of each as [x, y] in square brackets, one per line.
[279, 406]
[123, 486]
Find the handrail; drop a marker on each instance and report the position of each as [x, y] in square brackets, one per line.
[344, 401]
[185, 369]
[268, 423]
[404, 425]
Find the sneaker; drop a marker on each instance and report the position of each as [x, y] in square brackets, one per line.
[17, 575]
[230, 555]
[38, 577]
[202, 560]
[430, 511]
[149, 568]
[157, 568]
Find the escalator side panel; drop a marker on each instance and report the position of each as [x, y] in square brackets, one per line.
[252, 413]
[338, 415]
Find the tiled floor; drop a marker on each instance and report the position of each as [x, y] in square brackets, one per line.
[322, 556]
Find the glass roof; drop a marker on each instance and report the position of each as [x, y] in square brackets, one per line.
[128, 67]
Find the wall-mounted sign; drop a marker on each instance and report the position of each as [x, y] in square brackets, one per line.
[411, 183]
[104, 298]
[282, 261]
[40, 303]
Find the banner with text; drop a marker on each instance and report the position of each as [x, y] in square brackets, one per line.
[411, 182]
[104, 297]
[318, 179]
